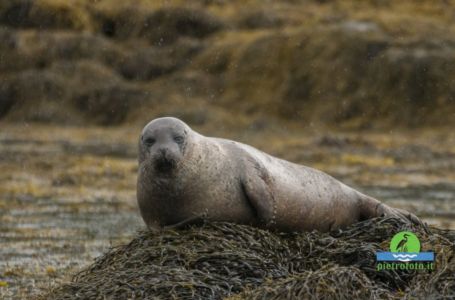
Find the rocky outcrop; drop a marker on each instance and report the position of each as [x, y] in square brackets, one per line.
[319, 63]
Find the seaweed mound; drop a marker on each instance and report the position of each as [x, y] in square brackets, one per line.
[224, 260]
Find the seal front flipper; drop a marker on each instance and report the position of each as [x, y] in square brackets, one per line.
[257, 187]
[197, 219]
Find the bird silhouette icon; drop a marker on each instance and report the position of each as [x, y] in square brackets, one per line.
[402, 245]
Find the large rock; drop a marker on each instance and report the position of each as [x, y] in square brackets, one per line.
[39, 49]
[349, 72]
[71, 93]
[44, 14]
[150, 62]
[161, 27]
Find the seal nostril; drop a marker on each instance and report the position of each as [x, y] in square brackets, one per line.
[163, 160]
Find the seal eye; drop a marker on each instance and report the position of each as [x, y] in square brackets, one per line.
[149, 141]
[179, 139]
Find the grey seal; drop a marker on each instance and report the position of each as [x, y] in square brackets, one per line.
[184, 176]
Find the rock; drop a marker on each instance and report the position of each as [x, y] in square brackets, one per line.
[161, 27]
[166, 25]
[150, 62]
[44, 14]
[88, 91]
[259, 19]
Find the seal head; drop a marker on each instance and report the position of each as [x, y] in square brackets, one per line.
[162, 144]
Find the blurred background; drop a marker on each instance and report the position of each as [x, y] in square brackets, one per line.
[362, 90]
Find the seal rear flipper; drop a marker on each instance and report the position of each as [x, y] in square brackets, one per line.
[372, 208]
[256, 186]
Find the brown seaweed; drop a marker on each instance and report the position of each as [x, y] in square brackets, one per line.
[224, 260]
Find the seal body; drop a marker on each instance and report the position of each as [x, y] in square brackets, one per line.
[184, 175]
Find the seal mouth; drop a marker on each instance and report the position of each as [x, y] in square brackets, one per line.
[164, 164]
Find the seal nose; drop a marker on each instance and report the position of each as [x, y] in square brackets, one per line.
[164, 154]
[164, 160]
